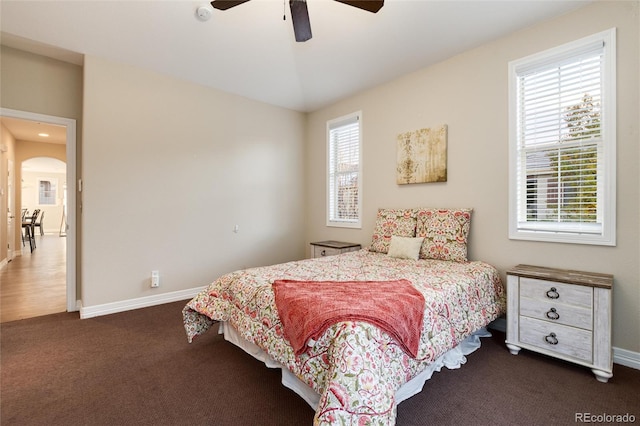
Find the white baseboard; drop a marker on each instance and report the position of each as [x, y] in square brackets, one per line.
[141, 302]
[620, 356]
[4, 262]
[626, 358]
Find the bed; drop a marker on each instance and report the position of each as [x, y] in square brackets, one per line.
[353, 370]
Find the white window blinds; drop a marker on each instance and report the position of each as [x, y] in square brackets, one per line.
[562, 118]
[46, 192]
[344, 171]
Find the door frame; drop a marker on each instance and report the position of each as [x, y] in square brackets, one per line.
[11, 211]
[70, 124]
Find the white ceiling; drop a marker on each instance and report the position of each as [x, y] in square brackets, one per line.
[250, 51]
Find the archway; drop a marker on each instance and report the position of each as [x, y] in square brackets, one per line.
[44, 187]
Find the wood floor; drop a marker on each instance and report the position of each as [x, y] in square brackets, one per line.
[34, 284]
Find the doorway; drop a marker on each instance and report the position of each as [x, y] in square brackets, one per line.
[70, 213]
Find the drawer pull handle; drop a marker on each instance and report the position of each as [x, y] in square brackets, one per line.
[551, 339]
[552, 314]
[553, 293]
[323, 253]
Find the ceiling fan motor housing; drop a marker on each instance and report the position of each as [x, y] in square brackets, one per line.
[299, 12]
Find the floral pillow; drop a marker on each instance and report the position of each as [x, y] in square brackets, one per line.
[445, 233]
[389, 222]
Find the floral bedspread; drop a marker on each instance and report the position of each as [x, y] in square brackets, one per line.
[355, 367]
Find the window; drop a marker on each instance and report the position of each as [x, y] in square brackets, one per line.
[47, 191]
[344, 162]
[562, 143]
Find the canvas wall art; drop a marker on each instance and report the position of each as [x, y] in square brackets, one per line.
[422, 156]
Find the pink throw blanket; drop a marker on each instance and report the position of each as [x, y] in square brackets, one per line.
[308, 308]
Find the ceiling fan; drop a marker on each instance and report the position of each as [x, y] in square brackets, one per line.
[300, 14]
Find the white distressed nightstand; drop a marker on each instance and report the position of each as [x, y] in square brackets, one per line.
[563, 314]
[330, 248]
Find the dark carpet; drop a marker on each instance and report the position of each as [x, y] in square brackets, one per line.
[136, 368]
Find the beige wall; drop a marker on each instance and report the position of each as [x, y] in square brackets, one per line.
[50, 214]
[469, 94]
[41, 85]
[24, 151]
[170, 168]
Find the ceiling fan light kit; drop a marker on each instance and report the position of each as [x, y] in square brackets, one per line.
[300, 13]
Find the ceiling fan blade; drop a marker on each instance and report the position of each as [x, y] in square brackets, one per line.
[226, 4]
[300, 18]
[368, 5]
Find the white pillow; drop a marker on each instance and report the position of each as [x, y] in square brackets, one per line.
[405, 247]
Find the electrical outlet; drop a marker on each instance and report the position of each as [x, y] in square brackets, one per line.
[155, 279]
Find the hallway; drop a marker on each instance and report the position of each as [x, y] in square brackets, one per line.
[34, 284]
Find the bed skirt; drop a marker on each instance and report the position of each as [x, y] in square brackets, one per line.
[452, 359]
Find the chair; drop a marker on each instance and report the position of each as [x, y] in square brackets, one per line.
[23, 219]
[39, 222]
[28, 226]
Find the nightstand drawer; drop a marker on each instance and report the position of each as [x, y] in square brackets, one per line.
[557, 313]
[575, 295]
[319, 251]
[331, 248]
[562, 339]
